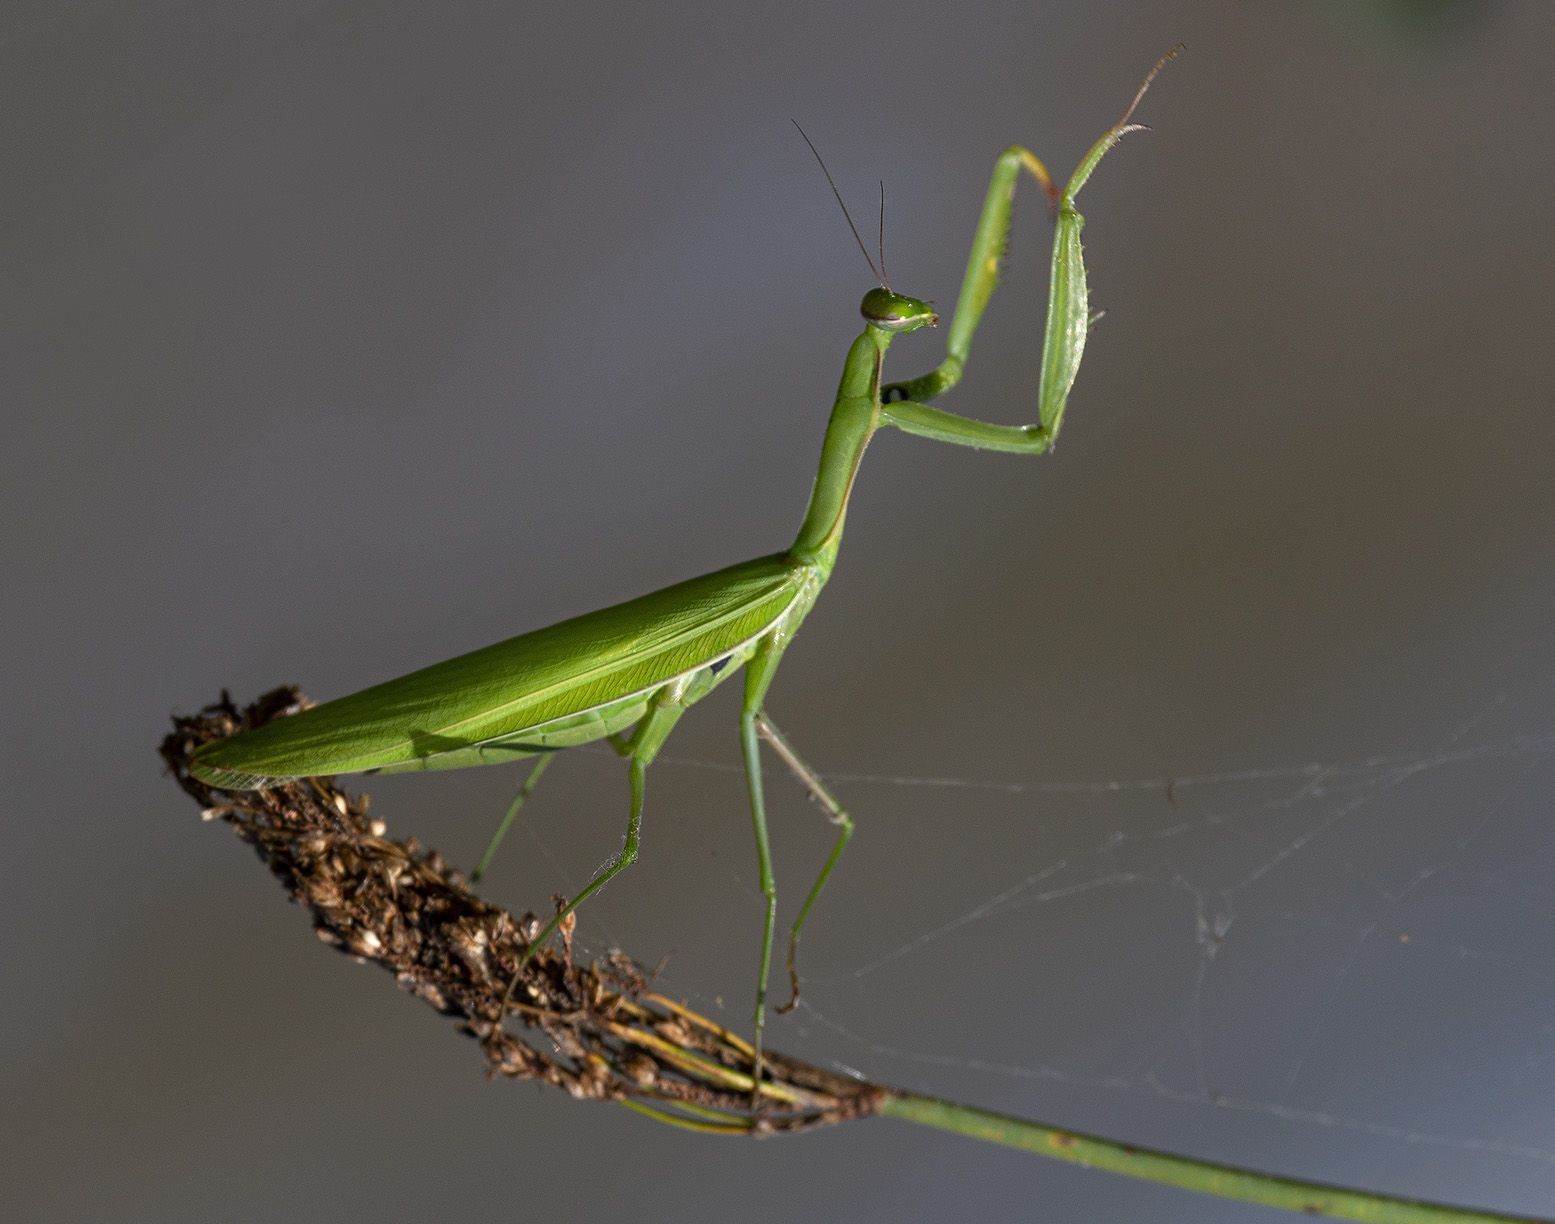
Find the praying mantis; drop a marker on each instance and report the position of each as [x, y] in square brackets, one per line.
[626, 674]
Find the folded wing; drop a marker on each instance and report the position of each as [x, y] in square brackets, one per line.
[522, 683]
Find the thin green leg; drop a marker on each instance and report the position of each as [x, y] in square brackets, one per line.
[649, 737]
[758, 678]
[834, 813]
[507, 821]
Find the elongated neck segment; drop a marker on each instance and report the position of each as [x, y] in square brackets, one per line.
[854, 418]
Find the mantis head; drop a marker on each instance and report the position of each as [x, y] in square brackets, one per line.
[895, 312]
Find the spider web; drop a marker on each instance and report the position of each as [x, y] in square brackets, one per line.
[1359, 946]
[1259, 849]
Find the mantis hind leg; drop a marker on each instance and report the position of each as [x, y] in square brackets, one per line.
[663, 713]
[544, 742]
[541, 762]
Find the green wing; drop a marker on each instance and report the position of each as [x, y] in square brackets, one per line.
[522, 683]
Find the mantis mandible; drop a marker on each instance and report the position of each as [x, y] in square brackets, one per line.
[626, 674]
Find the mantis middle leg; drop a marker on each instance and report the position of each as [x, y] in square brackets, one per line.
[834, 812]
[758, 678]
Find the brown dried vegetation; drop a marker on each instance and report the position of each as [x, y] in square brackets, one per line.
[595, 1030]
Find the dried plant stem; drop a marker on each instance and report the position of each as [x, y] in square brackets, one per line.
[597, 1030]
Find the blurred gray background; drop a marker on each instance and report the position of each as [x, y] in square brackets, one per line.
[340, 338]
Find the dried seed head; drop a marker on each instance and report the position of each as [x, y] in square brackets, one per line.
[598, 1033]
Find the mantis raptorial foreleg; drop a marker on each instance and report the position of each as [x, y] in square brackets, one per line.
[982, 273]
[1069, 316]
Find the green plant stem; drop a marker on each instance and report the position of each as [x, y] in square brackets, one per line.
[1203, 1177]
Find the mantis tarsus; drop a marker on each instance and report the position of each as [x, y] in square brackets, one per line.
[626, 674]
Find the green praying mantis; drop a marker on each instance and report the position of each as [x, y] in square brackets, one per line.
[626, 674]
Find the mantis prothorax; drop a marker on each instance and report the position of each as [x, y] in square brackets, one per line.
[626, 674]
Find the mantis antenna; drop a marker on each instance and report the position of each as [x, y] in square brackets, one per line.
[883, 281]
[830, 182]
